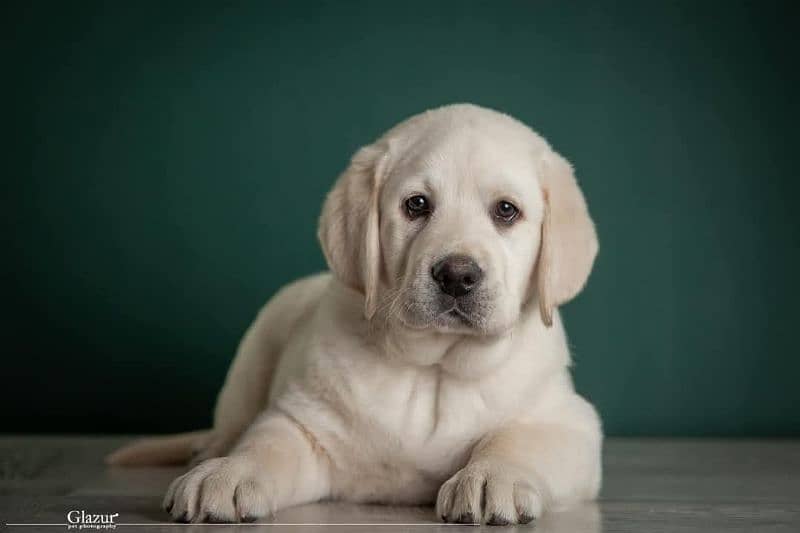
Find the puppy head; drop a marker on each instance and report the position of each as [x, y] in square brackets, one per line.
[457, 218]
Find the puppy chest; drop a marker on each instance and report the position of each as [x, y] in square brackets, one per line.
[430, 418]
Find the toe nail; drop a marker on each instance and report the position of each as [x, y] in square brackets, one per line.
[183, 519]
[466, 518]
[216, 519]
[249, 518]
[497, 520]
[526, 518]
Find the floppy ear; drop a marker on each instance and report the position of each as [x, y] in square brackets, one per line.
[569, 242]
[349, 225]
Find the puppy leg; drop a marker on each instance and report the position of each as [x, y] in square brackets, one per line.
[244, 394]
[517, 472]
[275, 465]
[247, 386]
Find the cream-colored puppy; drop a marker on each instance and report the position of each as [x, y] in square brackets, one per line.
[431, 364]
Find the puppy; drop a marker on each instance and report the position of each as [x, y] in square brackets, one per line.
[430, 365]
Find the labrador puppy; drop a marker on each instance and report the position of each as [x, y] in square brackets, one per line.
[430, 364]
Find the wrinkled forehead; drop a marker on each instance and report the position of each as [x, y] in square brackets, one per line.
[471, 162]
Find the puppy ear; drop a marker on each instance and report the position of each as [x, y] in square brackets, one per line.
[349, 225]
[569, 242]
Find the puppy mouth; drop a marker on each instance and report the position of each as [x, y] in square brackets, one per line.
[457, 314]
[445, 313]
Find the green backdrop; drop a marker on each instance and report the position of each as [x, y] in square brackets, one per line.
[165, 162]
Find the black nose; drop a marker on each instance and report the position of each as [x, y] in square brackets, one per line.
[457, 274]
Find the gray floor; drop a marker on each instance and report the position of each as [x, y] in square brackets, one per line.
[650, 485]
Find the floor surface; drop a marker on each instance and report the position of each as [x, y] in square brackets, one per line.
[650, 485]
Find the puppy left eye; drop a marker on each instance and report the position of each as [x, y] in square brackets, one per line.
[506, 211]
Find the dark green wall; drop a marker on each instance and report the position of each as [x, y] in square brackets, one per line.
[164, 165]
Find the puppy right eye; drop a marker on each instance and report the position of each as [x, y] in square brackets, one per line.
[417, 206]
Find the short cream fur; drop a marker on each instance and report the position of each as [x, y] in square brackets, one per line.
[353, 385]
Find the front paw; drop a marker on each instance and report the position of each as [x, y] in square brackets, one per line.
[226, 489]
[488, 493]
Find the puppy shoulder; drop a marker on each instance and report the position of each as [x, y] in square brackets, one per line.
[302, 291]
[293, 303]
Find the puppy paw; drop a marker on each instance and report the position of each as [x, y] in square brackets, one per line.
[489, 494]
[225, 489]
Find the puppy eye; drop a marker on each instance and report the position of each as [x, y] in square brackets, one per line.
[506, 211]
[417, 206]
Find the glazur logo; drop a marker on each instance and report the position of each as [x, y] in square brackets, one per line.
[80, 519]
